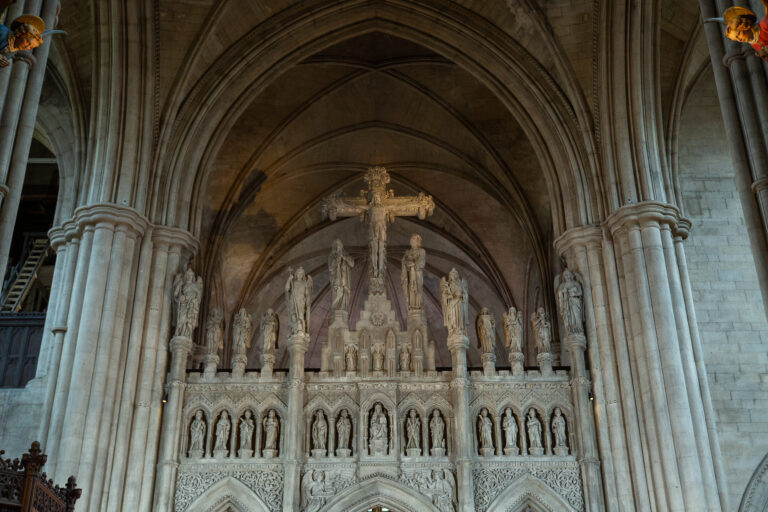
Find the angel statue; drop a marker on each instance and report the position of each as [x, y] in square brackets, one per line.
[741, 25]
[270, 330]
[298, 300]
[513, 330]
[570, 303]
[542, 330]
[25, 33]
[455, 299]
[187, 292]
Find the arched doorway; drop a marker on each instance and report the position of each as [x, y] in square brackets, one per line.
[228, 495]
[379, 494]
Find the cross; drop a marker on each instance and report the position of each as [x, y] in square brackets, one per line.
[377, 206]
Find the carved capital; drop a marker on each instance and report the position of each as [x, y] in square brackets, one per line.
[647, 213]
[458, 342]
[181, 345]
[575, 343]
[584, 236]
[175, 238]
[111, 215]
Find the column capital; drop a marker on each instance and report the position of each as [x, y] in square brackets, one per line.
[458, 342]
[298, 340]
[643, 214]
[181, 344]
[575, 342]
[580, 236]
[111, 214]
[175, 237]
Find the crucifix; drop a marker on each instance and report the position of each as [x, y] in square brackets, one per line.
[377, 206]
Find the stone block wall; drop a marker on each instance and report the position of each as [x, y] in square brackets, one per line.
[727, 297]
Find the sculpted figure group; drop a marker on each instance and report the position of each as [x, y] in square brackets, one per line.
[223, 435]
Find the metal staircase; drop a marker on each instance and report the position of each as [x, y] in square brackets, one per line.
[21, 284]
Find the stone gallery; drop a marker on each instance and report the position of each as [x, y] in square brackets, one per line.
[387, 255]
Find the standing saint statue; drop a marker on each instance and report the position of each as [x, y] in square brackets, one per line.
[214, 340]
[412, 273]
[242, 330]
[486, 331]
[350, 356]
[246, 431]
[543, 331]
[223, 428]
[339, 265]
[197, 434]
[378, 439]
[437, 430]
[413, 430]
[187, 293]
[343, 429]
[271, 425]
[570, 303]
[534, 433]
[377, 353]
[558, 429]
[455, 302]
[270, 330]
[319, 432]
[485, 427]
[513, 330]
[509, 425]
[405, 358]
[298, 300]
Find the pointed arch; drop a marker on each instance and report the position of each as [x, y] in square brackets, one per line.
[228, 494]
[379, 491]
[529, 491]
[756, 495]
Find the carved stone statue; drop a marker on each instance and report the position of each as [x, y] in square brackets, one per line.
[242, 330]
[271, 425]
[319, 434]
[455, 302]
[298, 299]
[270, 330]
[412, 273]
[213, 337]
[513, 330]
[343, 431]
[570, 303]
[485, 427]
[558, 429]
[314, 490]
[437, 430]
[377, 354]
[339, 265]
[445, 490]
[197, 435]
[246, 433]
[542, 330]
[187, 292]
[413, 433]
[377, 206]
[534, 434]
[350, 355]
[509, 425]
[223, 428]
[405, 358]
[378, 440]
[486, 331]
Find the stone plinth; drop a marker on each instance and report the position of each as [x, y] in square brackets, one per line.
[343, 452]
[486, 452]
[210, 363]
[413, 452]
[245, 454]
[269, 454]
[437, 452]
[512, 451]
[220, 454]
[545, 363]
[536, 451]
[516, 361]
[318, 452]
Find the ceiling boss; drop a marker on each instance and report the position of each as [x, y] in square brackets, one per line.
[377, 206]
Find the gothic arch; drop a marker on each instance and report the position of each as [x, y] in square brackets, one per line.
[379, 491]
[756, 495]
[528, 491]
[228, 494]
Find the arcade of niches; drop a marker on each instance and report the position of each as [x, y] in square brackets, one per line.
[404, 255]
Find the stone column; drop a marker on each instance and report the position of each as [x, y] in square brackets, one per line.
[292, 425]
[463, 433]
[19, 113]
[168, 464]
[742, 88]
[683, 479]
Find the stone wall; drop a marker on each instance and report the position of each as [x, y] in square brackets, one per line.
[20, 413]
[727, 297]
